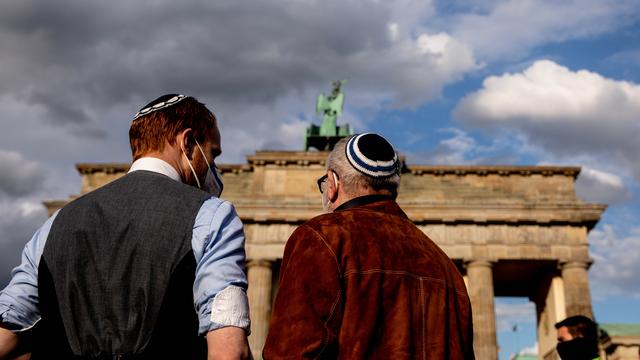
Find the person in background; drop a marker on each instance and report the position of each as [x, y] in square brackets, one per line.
[577, 338]
[363, 282]
[150, 265]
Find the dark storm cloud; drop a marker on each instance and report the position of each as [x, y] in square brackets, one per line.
[18, 223]
[112, 51]
[75, 59]
[18, 176]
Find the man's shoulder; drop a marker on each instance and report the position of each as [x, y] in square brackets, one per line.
[140, 187]
[323, 221]
[340, 224]
[143, 181]
[344, 227]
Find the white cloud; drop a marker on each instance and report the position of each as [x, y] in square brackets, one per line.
[510, 314]
[600, 186]
[566, 113]
[461, 148]
[499, 30]
[549, 93]
[454, 150]
[616, 267]
[530, 350]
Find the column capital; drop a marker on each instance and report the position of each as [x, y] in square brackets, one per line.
[564, 265]
[259, 263]
[470, 263]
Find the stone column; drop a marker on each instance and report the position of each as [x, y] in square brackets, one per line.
[550, 307]
[259, 293]
[576, 288]
[480, 288]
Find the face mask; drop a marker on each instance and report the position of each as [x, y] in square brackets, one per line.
[325, 203]
[212, 182]
[576, 349]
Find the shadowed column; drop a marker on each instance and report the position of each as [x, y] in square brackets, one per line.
[480, 288]
[550, 309]
[259, 276]
[576, 288]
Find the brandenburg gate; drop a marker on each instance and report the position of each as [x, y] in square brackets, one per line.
[512, 231]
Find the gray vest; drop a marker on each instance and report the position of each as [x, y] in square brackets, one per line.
[116, 276]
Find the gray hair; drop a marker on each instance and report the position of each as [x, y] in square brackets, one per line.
[354, 181]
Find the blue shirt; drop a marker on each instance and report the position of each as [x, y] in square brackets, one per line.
[220, 285]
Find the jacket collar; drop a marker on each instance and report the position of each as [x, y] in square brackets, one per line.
[365, 200]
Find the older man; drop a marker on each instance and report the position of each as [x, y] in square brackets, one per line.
[148, 266]
[363, 282]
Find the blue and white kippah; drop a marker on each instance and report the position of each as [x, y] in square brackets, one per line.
[162, 102]
[372, 155]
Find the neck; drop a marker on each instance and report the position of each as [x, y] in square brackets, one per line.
[170, 158]
[363, 200]
[344, 197]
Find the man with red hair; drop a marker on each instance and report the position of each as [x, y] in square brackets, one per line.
[148, 266]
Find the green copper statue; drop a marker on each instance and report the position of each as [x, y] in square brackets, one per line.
[325, 136]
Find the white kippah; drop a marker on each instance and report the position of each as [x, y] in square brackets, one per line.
[162, 102]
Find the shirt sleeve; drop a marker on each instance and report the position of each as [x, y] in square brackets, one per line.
[220, 285]
[307, 311]
[19, 305]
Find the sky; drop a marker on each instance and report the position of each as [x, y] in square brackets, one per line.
[457, 82]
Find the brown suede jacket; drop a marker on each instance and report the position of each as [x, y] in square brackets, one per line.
[365, 283]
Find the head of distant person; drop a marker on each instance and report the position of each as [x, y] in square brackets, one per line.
[577, 338]
[359, 165]
[183, 132]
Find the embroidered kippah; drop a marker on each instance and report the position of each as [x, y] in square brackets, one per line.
[162, 102]
[372, 155]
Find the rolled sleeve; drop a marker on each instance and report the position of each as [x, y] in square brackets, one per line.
[220, 285]
[19, 304]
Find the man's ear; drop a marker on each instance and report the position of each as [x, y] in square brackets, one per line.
[184, 141]
[333, 185]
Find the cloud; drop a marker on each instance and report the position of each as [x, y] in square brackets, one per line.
[616, 267]
[563, 112]
[599, 186]
[627, 62]
[82, 70]
[19, 220]
[19, 176]
[21, 181]
[461, 148]
[501, 30]
[75, 59]
[529, 350]
[629, 58]
[509, 314]
[453, 150]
